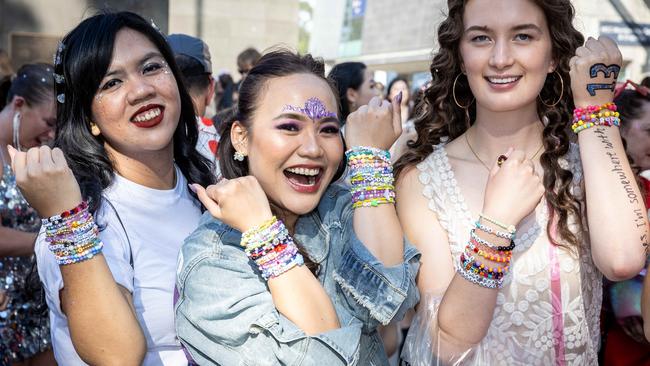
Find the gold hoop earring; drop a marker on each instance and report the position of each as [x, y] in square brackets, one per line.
[561, 92]
[453, 93]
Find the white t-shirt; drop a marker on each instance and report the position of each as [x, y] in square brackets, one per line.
[156, 222]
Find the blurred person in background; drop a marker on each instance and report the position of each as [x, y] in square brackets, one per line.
[193, 59]
[27, 121]
[624, 343]
[245, 62]
[355, 85]
[6, 72]
[400, 84]
[223, 96]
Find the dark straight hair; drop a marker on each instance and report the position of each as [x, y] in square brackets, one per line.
[32, 82]
[86, 54]
[346, 75]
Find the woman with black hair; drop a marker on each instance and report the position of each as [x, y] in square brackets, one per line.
[293, 269]
[26, 121]
[355, 85]
[114, 194]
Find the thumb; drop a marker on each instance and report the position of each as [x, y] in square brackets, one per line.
[397, 112]
[205, 199]
[12, 152]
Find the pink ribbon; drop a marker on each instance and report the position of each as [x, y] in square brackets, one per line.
[556, 295]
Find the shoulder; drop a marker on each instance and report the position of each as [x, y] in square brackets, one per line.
[336, 200]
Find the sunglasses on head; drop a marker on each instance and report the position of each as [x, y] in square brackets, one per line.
[638, 88]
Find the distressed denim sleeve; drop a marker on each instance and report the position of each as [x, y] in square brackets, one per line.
[386, 293]
[225, 316]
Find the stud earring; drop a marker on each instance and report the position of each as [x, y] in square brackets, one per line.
[238, 156]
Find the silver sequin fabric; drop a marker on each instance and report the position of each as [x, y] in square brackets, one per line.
[24, 323]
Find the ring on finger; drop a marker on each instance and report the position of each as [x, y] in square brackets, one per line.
[501, 159]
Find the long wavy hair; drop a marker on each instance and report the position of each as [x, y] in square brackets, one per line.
[86, 54]
[274, 64]
[439, 117]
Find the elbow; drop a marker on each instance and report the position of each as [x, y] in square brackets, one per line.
[119, 354]
[620, 268]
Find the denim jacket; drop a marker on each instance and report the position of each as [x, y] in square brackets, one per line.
[225, 314]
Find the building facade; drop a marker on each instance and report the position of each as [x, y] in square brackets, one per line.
[398, 37]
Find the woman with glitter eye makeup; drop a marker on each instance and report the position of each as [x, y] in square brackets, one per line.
[307, 269]
[113, 194]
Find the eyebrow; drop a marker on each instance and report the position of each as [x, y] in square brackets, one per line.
[519, 27]
[144, 59]
[302, 117]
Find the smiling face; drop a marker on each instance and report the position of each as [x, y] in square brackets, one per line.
[137, 104]
[506, 51]
[37, 123]
[293, 143]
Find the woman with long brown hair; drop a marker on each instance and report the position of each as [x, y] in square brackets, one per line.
[491, 193]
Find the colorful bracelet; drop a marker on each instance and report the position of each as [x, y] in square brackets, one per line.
[489, 230]
[371, 176]
[73, 236]
[271, 247]
[594, 115]
[509, 228]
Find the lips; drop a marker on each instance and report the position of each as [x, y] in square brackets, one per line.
[148, 116]
[304, 179]
[503, 81]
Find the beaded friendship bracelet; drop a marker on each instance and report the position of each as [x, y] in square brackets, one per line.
[271, 247]
[371, 176]
[73, 236]
[479, 273]
[594, 115]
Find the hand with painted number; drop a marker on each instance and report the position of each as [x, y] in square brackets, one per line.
[45, 180]
[594, 70]
[377, 124]
[513, 190]
[239, 203]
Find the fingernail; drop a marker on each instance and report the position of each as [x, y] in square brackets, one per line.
[192, 188]
[398, 97]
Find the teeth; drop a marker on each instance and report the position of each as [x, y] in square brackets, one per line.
[305, 171]
[152, 113]
[502, 80]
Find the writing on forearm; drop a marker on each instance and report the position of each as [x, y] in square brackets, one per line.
[607, 71]
[617, 167]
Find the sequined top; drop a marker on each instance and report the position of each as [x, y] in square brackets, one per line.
[24, 323]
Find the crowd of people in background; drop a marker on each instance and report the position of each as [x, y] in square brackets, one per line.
[157, 212]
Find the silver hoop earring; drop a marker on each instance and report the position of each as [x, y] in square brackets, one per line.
[238, 156]
[16, 131]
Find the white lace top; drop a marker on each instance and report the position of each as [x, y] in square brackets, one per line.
[522, 329]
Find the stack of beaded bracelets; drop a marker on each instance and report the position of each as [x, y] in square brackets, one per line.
[371, 176]
[594, 115]
[477, 272]
[73, 236]
[271, 248]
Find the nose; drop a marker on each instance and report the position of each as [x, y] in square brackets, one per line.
[501, 56]
[310, 146]
[140, 90]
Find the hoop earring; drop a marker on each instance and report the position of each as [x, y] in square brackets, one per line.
[561, 92]
[16, 130]
[453, 93]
